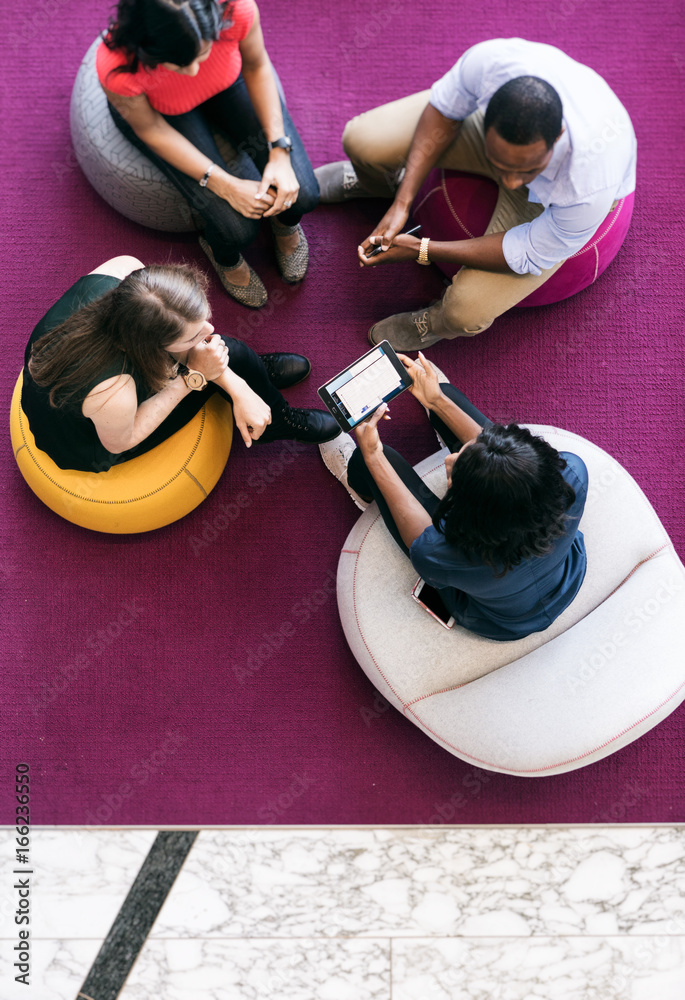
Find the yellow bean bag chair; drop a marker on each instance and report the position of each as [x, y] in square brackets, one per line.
[142, 494]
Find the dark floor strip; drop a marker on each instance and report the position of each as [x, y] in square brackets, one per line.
[137, 915]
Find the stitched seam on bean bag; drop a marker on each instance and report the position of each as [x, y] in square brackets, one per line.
[561, 433]
[590, 246]
[456, 687]
[449, 205]
[423, 201]
[110, 503]
[571, 760]
[356, 615]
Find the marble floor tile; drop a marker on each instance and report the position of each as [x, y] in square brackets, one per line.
[80, 879]
[58, 968]
[589, 968]
[261, 970]
[503, 881]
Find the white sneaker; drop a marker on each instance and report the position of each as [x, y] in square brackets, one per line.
[336, 454]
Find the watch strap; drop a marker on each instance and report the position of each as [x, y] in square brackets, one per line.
[285, 142]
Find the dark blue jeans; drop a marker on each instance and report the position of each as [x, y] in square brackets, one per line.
[361, 480]
[231, 111]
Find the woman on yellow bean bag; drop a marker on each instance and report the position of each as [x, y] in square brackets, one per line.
[126, 359]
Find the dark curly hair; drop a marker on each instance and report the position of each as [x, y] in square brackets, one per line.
[158, 31]
[524, 110]
[508, 499]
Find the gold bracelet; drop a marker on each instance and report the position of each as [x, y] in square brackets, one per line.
[423, 251]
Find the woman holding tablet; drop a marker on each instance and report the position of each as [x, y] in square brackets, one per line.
[173, 69]
[128, 356]
[503, 546]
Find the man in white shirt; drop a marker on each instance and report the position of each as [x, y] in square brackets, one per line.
[549, 130]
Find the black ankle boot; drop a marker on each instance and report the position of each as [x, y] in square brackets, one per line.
[314, 426]
[285, 370]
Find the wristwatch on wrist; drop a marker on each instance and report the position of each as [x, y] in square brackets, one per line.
[192, 378]
[423, 251]
[285, 142]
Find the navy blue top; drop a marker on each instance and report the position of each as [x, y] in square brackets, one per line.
[526, 599]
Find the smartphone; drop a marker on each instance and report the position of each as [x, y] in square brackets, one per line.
[429, 599]
[379, 249]
[375, 378]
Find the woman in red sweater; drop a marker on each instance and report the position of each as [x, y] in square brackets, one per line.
[173, 69]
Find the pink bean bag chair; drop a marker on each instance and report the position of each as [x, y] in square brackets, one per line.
[453, 205]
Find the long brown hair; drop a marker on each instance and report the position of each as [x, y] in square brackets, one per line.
[133, 323]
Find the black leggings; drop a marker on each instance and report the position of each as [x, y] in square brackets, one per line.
[225, 229]
[362, 482]
[245, 363]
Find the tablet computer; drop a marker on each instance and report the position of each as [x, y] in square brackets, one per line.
[363, 386]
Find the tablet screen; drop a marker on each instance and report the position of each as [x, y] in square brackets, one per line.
[362, 387]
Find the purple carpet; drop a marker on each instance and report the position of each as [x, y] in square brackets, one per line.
[199, 674]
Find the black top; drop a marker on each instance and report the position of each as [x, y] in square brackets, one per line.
[69, 438]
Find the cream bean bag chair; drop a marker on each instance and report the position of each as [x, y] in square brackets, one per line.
[606, 671]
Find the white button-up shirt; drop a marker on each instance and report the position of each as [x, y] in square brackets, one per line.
[593, 163]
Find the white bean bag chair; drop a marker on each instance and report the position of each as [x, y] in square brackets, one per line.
[606, 671]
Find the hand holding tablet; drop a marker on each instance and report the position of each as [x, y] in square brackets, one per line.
[357, 391]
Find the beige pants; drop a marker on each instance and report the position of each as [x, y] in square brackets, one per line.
[378, 144]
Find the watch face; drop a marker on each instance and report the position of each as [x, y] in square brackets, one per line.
[195, 380]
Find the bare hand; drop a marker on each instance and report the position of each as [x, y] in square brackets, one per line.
[242, 196]
[367, 434]
[390, 225]
[252, 415]
[403, 247]
[280, 177]
[210, 357]
[426, 386]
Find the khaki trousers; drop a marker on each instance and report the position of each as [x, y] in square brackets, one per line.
[378, 144]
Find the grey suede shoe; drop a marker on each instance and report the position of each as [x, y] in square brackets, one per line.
[339, 182]
[253, 294]
[293, 266]
[410, 331]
